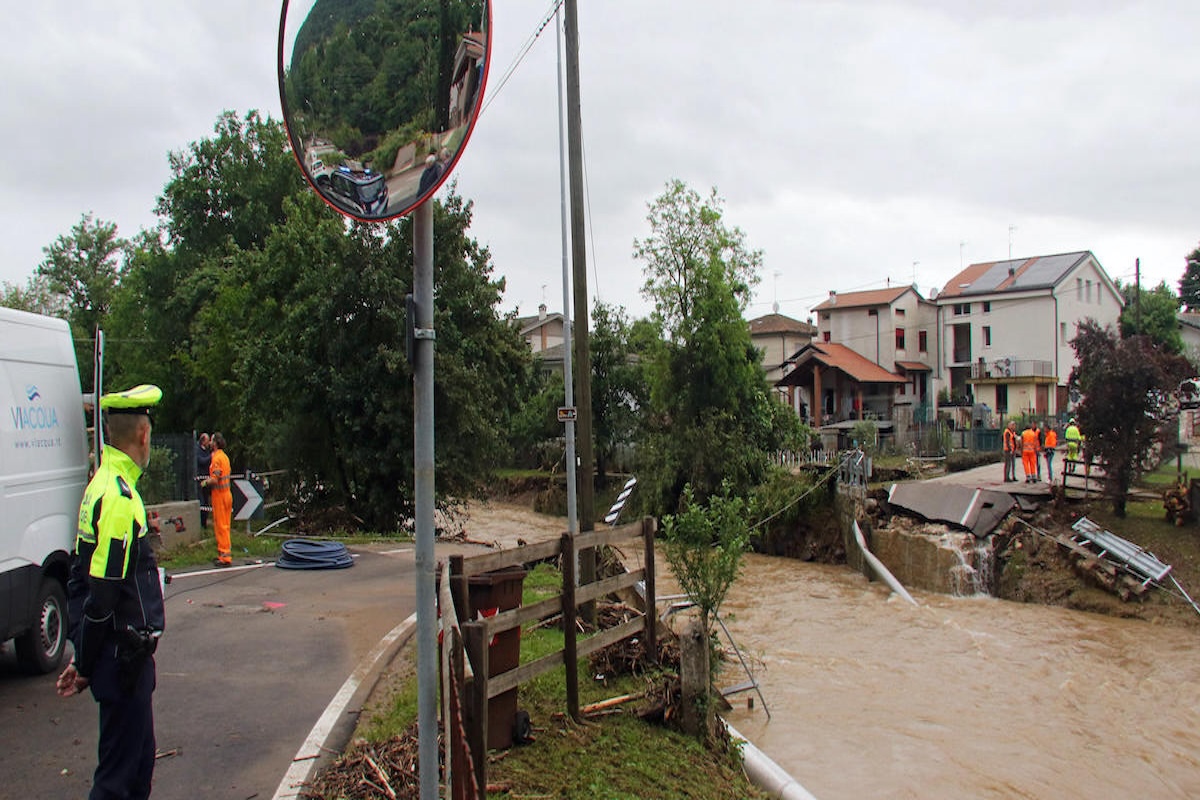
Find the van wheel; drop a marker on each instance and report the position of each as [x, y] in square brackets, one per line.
[40, 649]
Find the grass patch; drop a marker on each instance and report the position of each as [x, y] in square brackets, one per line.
[396, 709]
[615, 757]
[204, 551]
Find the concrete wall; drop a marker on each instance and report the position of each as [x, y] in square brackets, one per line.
[178, 522]
[927, 557]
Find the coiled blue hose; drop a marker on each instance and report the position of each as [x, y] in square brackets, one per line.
[307, 554]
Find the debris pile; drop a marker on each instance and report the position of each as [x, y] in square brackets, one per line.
[370, 771]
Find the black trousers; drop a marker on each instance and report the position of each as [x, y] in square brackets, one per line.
[125, 754]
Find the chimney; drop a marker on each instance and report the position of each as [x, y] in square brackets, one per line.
[1011, 272]
[832, 297]
[541, 312]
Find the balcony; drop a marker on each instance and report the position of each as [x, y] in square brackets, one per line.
[1003, 369]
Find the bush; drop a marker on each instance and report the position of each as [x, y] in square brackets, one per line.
[866, 436]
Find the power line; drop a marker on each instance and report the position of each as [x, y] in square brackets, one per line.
[525, 48]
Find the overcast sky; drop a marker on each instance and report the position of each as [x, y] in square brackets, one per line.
[854, 142]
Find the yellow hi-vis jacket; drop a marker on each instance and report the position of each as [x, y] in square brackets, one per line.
[114, 581]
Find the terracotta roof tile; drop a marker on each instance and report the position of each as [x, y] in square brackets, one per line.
[778, 323]
[841, 357]
[873, 297]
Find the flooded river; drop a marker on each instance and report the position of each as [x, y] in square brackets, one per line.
[961, 697]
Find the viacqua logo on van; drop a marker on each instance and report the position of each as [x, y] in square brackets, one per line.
[37, 416]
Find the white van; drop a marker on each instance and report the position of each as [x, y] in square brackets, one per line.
[43, 471]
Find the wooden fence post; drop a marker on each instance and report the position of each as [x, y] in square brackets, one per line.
[459, 588]
[651, 633]
[570, 650]
[475, 704]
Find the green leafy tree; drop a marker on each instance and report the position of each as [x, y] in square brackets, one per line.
[618, 390]
[1189, 284]
[225, 196]
[84, 266]
[35, 296]
[318, 355]
[1151, 313]
[704, 545]
[263, 314]
[711, 417]
[1127, 386]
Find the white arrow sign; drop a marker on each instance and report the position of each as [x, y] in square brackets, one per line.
[253, 498]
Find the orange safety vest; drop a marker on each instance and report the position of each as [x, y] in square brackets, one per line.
[218, 472]
[1010, 440]
[1029, 441]
[1051, 439]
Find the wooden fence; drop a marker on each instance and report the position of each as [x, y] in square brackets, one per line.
[466, 641]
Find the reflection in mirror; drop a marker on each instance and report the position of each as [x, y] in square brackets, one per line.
[379, 96]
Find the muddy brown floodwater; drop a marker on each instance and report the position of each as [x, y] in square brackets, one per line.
[961, 697]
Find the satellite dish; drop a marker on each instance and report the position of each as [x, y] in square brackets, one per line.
[379, 103]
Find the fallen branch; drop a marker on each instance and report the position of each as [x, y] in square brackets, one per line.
[609, 703]
[379, 773]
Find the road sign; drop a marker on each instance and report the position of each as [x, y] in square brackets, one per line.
[247, 498]
[568, 413]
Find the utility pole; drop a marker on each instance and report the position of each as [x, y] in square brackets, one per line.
[586, 572]
[1137, 292]
[583, 355]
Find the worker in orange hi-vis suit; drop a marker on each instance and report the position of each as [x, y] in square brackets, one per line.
[222, 500]
[1029, 454]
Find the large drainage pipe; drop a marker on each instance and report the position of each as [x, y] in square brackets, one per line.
[765, 773]
[877, 565]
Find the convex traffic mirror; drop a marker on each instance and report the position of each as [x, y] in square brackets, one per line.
[379, 98]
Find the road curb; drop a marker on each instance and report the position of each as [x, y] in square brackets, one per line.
[332, 731]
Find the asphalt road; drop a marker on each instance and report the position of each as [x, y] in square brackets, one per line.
[247, 665]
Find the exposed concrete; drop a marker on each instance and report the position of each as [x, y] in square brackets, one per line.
[178, 522]
[978, 510]
[927, 556]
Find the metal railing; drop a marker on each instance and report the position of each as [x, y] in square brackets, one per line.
[1012, 368]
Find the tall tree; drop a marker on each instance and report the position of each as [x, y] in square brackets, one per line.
[84, 266]
[1151, 313]
[1127, 386]
[1189, 284]
[618, 391]
[35, 296]
[712, 418]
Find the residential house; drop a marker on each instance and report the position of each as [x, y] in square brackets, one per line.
[1007, 326]
[893, 328]
[544, 335]
[1189, 332]
[846, 385]
[543, 331]
[777, 336]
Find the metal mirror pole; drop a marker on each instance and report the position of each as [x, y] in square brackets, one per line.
[423, 350]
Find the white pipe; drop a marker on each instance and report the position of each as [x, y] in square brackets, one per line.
[879, 568]
[765, 773]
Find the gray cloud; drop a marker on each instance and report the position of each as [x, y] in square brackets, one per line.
[849, 139]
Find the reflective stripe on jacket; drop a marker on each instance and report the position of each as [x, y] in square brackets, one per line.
[218, 472]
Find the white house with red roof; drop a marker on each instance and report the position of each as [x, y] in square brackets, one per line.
[1006, 328]
[873, 357]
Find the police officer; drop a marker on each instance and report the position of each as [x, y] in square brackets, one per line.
[117, 603]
